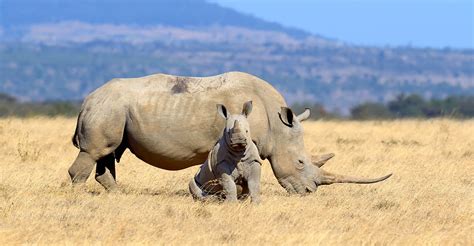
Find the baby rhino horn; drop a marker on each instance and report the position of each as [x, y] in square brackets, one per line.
[236, 126]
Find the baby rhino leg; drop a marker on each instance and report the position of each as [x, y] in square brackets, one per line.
[227, 181]
[229, 187]
[253, 181]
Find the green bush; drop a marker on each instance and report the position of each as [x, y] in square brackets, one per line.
[415, 106]
[367, 111]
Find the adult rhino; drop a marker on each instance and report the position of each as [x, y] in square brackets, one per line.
[170, 123]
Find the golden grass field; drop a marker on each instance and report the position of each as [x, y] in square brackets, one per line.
[428, 200]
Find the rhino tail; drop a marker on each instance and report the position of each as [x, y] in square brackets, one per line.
[75, 137]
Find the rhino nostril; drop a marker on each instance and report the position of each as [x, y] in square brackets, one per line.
[300, 165]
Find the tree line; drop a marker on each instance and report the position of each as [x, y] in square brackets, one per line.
[402, 106]
[415, 106]
[11, 106]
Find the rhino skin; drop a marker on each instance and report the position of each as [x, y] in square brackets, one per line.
[170, 122]
[233, 161]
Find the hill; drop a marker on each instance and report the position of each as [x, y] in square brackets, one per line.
[176, 13]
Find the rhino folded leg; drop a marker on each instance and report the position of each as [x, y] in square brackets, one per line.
[196, 191]
[81, 169]
[105, 172]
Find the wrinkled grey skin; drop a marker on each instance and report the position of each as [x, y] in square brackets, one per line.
[168, 122]
[233, 160]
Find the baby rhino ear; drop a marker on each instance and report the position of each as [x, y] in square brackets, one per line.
[247, 109]
[222, 111]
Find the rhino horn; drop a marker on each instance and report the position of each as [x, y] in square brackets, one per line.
[327, 178]
[236, 128]
[320, 160]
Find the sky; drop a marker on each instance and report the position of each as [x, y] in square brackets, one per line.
[419, 23]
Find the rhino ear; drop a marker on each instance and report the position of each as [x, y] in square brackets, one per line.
[247, 109]
[286, 116]
[305, 115]
[222, 111]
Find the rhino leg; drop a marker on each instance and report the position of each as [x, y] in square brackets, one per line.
[105, 172]
[229, 187]
[99, 135]
[81, 169]
[253, 182]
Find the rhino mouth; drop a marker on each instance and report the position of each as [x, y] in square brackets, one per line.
[311, 189]
[294, 186]
[238, 143]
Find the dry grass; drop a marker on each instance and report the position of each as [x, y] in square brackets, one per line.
[428, 200]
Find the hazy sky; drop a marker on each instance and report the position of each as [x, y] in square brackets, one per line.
[435, 23]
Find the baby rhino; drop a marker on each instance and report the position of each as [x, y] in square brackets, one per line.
[233, 162]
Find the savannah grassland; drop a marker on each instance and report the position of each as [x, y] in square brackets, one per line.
[429, 199]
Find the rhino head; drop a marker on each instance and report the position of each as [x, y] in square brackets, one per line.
[237, 130]
[295, 170]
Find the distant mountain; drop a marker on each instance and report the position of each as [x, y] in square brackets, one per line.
[63, 49]
[176, 13]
